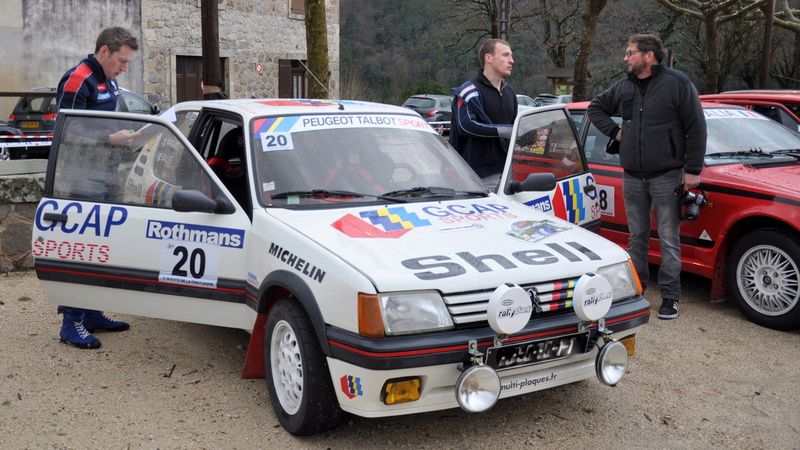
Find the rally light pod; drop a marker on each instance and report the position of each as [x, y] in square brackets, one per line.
[478, 389]
[592, 297]
[509, 309]
[612, 363]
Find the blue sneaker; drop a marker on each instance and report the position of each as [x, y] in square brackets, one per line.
[72, 329]
[97, 321]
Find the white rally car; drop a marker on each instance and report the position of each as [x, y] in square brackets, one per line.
[375, 273]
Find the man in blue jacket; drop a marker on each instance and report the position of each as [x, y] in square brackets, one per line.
[662, 142]
[92, 85]
[484, 110]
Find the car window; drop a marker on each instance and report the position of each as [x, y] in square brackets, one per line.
[732, 131]
[330, 153]
[548, 144]
[446, 102]
[185, 120]
[35, 105]
[596, 143]
[420, 102]
[136, 104]
[148, 172]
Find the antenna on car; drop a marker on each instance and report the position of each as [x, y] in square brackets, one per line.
[320, 83]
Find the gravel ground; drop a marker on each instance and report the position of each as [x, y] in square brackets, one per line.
[709, 379]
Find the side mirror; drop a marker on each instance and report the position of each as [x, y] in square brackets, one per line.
[195, 201]
[545, 182]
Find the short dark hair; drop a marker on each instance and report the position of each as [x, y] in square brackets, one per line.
[649, 43]
[114, 38]
[488, 49]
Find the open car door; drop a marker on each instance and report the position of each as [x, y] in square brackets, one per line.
[545, 141]
[143, 228]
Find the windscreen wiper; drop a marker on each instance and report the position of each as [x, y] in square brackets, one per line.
[432, 191]
[788, 151]
[754, 152]
[334, 193]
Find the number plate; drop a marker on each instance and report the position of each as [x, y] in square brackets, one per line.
[533, 352]
[28, 124]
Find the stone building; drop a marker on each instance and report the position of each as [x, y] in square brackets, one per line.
[261, 44]
[262, 47]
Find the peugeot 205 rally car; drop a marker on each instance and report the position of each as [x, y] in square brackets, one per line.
[375, 273]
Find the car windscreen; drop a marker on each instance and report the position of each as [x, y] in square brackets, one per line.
[420, 102]
[35, 105]
[305, 160]
[736, 134]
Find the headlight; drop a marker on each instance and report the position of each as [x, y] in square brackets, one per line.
[414, 312]
[623, 278]
[403, 313]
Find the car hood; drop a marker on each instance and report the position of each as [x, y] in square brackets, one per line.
[458, 245]
[778, 179]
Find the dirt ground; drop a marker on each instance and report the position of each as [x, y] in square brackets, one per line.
[709, 379]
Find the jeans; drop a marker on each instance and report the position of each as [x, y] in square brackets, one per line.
[641, 198]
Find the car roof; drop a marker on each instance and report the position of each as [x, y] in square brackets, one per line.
[269, 107]
[756, 95]
[584, 105]
[430, 96]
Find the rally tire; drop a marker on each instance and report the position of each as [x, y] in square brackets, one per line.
[298, 378]
[763, 278]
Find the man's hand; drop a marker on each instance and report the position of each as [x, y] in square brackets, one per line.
[122, 138]
[619, 135]
[690, 181]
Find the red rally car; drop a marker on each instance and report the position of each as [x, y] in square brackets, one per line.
[746, 237]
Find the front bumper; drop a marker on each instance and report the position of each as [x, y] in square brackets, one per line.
[360, 367]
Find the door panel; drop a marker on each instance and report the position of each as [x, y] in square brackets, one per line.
[545, 141]
[106, 235]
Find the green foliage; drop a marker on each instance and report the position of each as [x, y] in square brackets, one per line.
[395, 48]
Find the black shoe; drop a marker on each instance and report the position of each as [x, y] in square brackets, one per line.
[668, 309]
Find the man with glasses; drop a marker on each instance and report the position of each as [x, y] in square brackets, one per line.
[662, 142]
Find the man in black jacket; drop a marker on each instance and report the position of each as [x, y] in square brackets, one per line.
[484, 110]
[662, 142]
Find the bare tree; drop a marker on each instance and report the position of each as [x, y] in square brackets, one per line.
[557, 26]
[786, 72]
[482, 19]
[581, 74]
[712, 13]
[317, 49]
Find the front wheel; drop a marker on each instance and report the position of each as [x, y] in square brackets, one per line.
[763, 277]
[298, 379]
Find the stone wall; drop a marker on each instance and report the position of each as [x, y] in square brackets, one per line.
[43, 38]
[19, 197]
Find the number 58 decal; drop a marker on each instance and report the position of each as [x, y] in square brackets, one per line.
[190, 263]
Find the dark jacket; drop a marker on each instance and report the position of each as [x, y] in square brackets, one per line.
[663, 128]
[85, 86]
[481, 115]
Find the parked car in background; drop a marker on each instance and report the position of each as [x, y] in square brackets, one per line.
[549, 99]
[782, 106]
[35, 114]
[524, 100]
[435, 109]
[747, 238]
[376, 273]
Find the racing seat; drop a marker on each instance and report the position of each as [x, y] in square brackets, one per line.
[228, 164]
